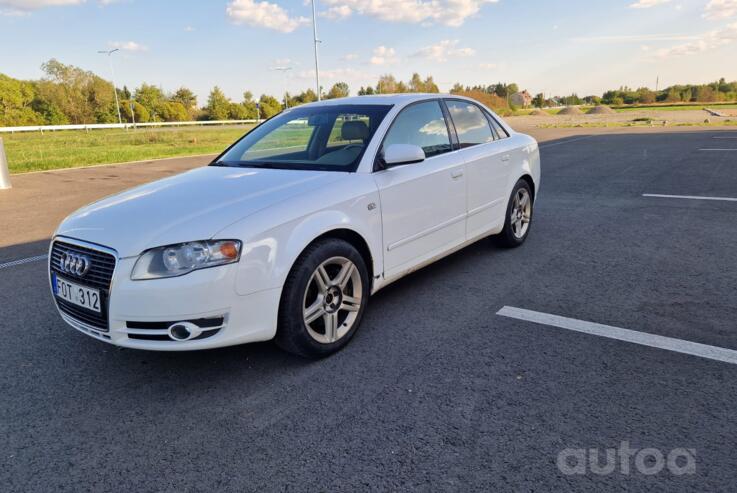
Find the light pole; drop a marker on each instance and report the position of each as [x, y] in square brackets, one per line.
[112, 73]
[315, 40]
[284, 71]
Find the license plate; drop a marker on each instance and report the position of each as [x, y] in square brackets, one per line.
[83, 296]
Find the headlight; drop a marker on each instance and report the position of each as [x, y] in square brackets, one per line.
[177, 260]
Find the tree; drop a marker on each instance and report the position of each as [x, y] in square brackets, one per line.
[416, 84]
[80, 95]
[491, 100]
[218, 105]
[539, 100]
[645, 96]
[139, 111]
[430, 85]
[705, 94]
[153, 99]
[16, 98]
[237, 111]
[269, 106]
[339, 90]
[304, 97]
[673, 96]
[186, 97]
[457, 88]
[387, 85]
[173, 111]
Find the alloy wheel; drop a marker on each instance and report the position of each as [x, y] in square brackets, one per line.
[521, 214]
[332, 300]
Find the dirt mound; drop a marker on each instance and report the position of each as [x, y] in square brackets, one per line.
[570, 110]
[539, 112]
[601, 110]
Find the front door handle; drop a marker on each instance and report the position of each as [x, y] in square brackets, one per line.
[455, 174]
[506, 158]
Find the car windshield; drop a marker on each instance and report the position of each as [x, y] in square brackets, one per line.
[329, 137]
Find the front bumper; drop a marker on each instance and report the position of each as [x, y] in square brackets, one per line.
[140, 311]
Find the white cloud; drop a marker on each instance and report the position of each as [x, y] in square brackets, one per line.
[634, 38]
[449, 12]
[345, 74]
[12, 8]
[189, 29]
[349, 57]
[488, 66]
[37, 4]
[263, 14]
[128, 46]
[706, 42]
[440, 52]
[337, 12]
[720, 9]
[646, 4]
[384, 56]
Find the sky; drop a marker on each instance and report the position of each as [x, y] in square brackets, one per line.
[549, 46]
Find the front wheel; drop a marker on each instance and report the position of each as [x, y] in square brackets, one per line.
[323, 299]
[518, 217]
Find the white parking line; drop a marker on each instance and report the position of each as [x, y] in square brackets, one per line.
[23, 261]
[627, 335]
[689, 197]
[718, 150]
[544, 145]
[720, 137]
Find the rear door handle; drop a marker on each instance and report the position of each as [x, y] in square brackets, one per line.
[456, 174]
[506, 158]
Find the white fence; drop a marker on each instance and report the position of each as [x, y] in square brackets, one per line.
[98, 126]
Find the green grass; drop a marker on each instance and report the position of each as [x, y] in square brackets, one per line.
[77, 148]
[649, 123]
[675, 107]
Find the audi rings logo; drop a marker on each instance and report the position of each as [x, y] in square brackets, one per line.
[74, 263]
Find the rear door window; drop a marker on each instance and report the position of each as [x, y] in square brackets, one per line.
[470, 122]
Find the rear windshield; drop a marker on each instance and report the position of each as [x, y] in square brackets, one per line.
[330, 137]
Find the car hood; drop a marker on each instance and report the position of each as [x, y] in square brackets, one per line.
[191, 206]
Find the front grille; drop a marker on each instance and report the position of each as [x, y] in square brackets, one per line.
[99, 277]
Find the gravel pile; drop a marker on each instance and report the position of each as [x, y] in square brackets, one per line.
[601, 110]
[570, 110]
[539, 112]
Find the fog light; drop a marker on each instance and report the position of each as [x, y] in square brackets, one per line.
[184, 331]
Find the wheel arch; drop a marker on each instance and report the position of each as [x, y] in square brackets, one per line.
[351, 237]
[528, 178]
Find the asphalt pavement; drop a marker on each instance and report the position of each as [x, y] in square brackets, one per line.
[437, 392]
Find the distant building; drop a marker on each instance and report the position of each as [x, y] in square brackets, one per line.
[523, 99]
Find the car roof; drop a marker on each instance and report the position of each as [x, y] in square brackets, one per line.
[379, 99]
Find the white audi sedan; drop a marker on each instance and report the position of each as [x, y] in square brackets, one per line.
[288, 232]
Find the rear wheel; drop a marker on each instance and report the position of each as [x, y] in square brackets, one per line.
[518, 217]
[323, 299]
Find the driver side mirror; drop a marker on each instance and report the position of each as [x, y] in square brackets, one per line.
[397, 154]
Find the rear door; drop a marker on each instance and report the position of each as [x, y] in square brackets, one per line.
[423, 204]
[486, 159]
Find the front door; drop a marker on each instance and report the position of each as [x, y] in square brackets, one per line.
[423, 204]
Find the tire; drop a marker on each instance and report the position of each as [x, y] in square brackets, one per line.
[515, 232]
[323, 299]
